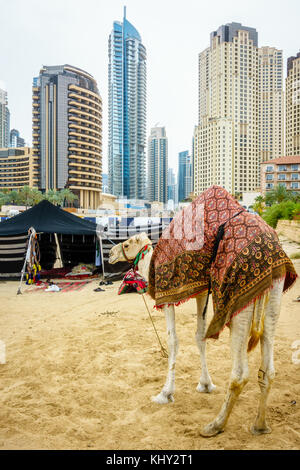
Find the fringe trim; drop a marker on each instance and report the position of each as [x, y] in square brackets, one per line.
[293, 278]
[258, 297]
[180, 302]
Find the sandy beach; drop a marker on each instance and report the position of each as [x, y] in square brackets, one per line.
[81, 367]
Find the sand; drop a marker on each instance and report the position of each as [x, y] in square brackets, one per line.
[82, 366]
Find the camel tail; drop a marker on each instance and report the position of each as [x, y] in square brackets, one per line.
[257, 327]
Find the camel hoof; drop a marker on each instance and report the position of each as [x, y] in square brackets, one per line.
[211, 430]
[162, 398]
[257, 431]
[207, 388]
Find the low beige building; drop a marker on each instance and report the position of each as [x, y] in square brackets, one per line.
[283, 171]
[18, 168]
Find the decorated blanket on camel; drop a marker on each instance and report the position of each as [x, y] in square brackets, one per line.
[248, 260]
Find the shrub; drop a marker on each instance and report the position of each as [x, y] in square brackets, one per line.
[285, 210]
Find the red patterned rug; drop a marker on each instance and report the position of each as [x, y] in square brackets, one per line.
[249, 257]
[65, 286]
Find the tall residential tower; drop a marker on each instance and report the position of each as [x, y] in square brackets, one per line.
[67, 132]
[158, 165]
[226, 142]
[292, 90]
[127, 111]
[4, 120]
[184, 179]
[271, 106]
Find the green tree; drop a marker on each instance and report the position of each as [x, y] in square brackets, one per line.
[67, 196]
[53, 196]
[284, 210]
[37, 196]
[277, 195]
[14, 197]
[259, 205]
[25, 195]
[4, 198]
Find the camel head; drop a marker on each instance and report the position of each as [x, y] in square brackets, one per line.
[128, 250]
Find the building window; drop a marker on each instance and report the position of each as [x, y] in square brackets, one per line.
[281, 177]
[295, 167]
[269, 186]
[295, 185]
[282, 167]
[270, 168]
[269, 177]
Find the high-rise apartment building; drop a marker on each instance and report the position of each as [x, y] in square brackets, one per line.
[127, 111]
[4, 120]
[292, 90]
[271, 106]
[158, 165]
[15, 139]
[171, 185]
[184, 179]
[67, 132]
[226, 140]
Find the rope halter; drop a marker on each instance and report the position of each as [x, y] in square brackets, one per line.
[139, 256]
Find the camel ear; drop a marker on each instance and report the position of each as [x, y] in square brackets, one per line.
[142, 237]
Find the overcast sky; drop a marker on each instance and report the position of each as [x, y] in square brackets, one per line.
[54, 32]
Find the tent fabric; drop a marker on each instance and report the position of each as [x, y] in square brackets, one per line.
[45, 217]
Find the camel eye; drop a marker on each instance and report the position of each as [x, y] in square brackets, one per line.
[126, 246]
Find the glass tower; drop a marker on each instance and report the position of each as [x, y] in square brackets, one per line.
[184, 175]
[4, 119]
[127, 111]
[158, 165]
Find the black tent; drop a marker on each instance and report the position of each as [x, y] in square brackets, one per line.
[45, 217]
[77, 238]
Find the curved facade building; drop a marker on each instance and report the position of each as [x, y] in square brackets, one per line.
[67, 132]
[127, 112]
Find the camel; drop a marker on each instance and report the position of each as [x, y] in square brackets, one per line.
[249, 322]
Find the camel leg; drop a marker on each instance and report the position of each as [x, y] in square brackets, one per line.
[239, 329]
[166, 395]
[266, 372]
[205, 384]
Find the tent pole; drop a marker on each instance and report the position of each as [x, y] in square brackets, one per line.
[102, 259]
[58, 252]
[31, 234]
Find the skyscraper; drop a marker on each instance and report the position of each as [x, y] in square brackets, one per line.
[226, 140]
[271, 106]
[184, 175]
[171, 185]
[127, 111]
[15, 139]
[67, 132]
[158, 165]
[292, 90]
[4, 120]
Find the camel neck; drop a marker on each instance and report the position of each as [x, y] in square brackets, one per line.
[143, 264]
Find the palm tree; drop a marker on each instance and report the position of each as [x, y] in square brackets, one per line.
[277, 195]
[67, 196]
[4, 198]
[259, 204]
[52, 196]
[25, 196]
[37, 196]
[14, 197]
